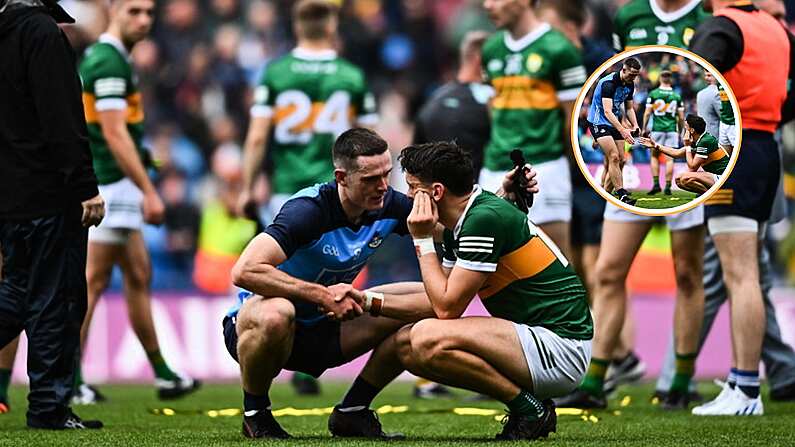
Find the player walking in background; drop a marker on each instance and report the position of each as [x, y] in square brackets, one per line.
[608, 127]
[728, 133]
[701, 152]
[537, 342]
[656, 22]
[303, 102]
[115, 118]
[708, 104]
[536, 73]
[669, 115]
[752, 50]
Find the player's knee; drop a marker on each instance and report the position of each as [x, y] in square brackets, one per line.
[403, 342]
[687, 281]
[274, 321]
[427, 341]
[138, 277]
[613, 157]
[608, 275]
[97, 281]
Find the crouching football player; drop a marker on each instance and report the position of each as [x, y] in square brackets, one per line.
[537, 343]
[299, 311]
[701, 150]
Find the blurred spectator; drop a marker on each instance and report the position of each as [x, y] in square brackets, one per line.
[222, 235]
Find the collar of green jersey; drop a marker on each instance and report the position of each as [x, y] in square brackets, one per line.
[476, 190]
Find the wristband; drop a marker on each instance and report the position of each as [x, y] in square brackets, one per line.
[373, 302]
[423, 246]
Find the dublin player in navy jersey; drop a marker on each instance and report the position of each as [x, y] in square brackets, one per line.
[608, 126]
[297, 311]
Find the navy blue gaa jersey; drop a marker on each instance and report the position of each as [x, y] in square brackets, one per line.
[322, 246]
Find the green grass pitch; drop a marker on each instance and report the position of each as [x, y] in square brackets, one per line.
[426, 423]
[660, 200]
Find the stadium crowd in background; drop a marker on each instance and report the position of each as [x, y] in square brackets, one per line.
[200, 66]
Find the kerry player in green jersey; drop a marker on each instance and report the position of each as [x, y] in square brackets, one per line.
[728, 132]
[668, 112]
[537, 343]
[657, 22]
[536, 73]
[303, 102]
[701, 151]
[114, 115]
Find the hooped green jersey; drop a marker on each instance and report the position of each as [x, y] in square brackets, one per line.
[665, 105]
[109, 83]
[643, 22]
[531, 77]
[311, 97]
[717, 158]
[529, 281]
[726, 111]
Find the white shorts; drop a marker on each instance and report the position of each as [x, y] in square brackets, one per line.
[728, 135]
[682, 221]
[123, 212]
[670, 139]
[553, 201]
[557, 365]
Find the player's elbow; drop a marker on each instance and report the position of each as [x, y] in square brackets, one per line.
[244, 271]
[446, 313]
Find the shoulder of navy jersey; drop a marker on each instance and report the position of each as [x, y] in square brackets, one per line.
[315, 211]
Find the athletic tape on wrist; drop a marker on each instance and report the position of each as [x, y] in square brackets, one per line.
[424, 246]
[373, 302]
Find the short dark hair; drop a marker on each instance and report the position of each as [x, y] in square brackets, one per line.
[574, 11]
[632, 62]
[696, 122]
[354, 143]
[666, 74]
[312, 15]
[440, 161]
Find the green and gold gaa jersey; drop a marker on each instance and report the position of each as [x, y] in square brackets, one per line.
[312, 97]
[109, 83]
[717, 158]
[665, 104]
[726, 111]
[530, 76]
[529, 282]
[643, 22]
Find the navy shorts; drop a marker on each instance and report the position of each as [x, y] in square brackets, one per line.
[603, 130]
[316, 347]
[587, 215]
[751, 187]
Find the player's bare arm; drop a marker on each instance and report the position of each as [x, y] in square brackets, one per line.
[114, 130]
[449, 297]
[254, 150]
[256, 271]
[607, 104]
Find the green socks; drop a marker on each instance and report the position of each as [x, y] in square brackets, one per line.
[5, 380]
[656, 181]
[594, 380]
[667, 184]
[162, 371]
[527, 405]
[685, 367]
[78, 375]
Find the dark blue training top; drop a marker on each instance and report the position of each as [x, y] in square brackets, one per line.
[321, 244]
[609, 86]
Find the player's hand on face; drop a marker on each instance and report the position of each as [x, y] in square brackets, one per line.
[423, 217]
[93, 211]
[153, 208]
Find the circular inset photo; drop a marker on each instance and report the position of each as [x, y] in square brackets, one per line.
[657, 130]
